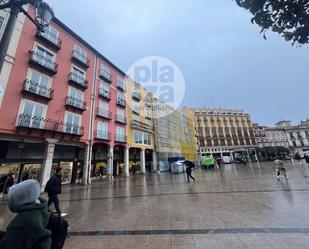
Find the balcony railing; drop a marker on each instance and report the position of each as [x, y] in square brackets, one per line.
[120, 119]
[121, 102]
[43, 62]
[80, 58]
[37, 89]
[137, 96]
[139, 125]
[104, 113]
[78, 80]
[50, 38]
[104, 94]
[120, 138]
[40, 123]
[105, 76]
[76, 103]
[103, 135]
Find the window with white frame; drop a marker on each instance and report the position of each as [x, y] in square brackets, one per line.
[51, 34]
[32, 114]
[76, 97]
[44, 57]
[148, 113]
[120, 82]
[141, 137]
[78, 75]
[135, 106]
[102, 131]
[120, 115]
[80, 54]
[104, 105]
[120, 134]
[136, 118]
[104, 88]
[148, 122]
[38, 83]
[106, 72]
[72, 123]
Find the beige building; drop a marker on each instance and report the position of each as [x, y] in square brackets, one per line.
[222, 132]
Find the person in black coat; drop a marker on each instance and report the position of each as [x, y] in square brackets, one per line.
[53, 189]
[189, 166]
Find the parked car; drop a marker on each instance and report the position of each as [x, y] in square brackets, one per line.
[208, 162]
[226, 160]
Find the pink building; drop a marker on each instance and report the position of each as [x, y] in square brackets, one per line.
[63, 106]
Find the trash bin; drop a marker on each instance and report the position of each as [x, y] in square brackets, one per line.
[177, 168]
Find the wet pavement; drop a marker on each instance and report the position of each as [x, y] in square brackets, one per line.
[234, 207]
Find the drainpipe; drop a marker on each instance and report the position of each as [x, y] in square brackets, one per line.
[92, 116]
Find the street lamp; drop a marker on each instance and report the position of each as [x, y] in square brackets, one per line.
[44, 15]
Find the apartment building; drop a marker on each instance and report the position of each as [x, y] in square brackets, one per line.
[141, 140]
[62, 105]
[222, 132]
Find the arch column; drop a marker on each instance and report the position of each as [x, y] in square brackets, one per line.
[143, 161]
[48, 160]
[110, 162]
[154, 161]
[126, 162]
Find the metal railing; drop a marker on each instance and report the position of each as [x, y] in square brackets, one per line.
[103, 135]
[120, 138]
[43, 61]
[78, 80]
[74, 102]
[120, 119]
[84, 61]
[104, 113]
[50, 38]
[40, 123]
[38, 89]
[105, 94]
[121, 102]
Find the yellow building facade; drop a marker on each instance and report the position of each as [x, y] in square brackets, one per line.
[140, 129]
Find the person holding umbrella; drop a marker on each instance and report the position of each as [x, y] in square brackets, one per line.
[189, 166]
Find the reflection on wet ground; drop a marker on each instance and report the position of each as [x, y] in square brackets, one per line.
[234, 207]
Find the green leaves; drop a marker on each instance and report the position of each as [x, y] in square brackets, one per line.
[289, 18]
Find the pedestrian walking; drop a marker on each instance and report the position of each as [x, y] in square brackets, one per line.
[189, 166]
[28, 229]
[279, 166]
[218, 161]
[8, 182]
[53, 189]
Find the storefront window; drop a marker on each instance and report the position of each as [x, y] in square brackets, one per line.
[66, 172]
[34, 171]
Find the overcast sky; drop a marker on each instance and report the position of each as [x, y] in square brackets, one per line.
[225, 61]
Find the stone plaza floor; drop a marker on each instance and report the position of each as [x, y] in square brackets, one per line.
[232, 208]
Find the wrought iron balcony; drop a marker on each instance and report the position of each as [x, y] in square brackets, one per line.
[76, 103]
[34, 88]
[104, 94]
[104, 113]
[80, 59]
[50, 39]
[121, 102]
[102, 135]
[105, 76]
[120, 119]
[78, 80]
[139, 125]
[137, 96]
[43, 62]
[33, 122]
[120, 138]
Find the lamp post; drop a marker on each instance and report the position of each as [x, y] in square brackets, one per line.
[44, 15]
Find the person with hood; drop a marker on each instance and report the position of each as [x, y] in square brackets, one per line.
[28, 229]
[189, 166]
[53, 189]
